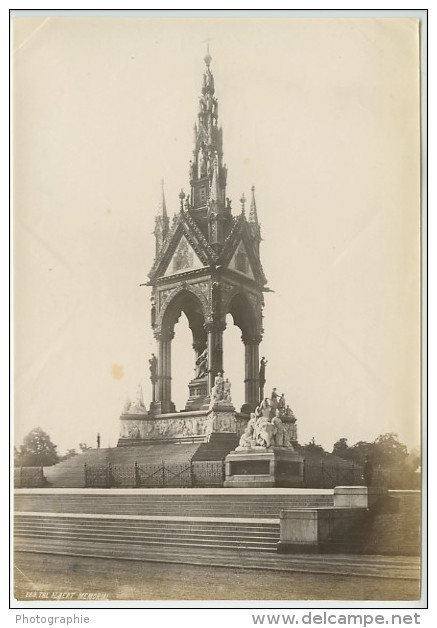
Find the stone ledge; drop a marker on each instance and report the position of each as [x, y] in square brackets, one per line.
[312, 529]
[358, 496]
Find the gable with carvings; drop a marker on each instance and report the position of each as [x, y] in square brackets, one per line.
[184, 258]
[240, 261]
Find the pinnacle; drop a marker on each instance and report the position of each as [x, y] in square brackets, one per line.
[207, 58]
[162, 204]
[253, 216]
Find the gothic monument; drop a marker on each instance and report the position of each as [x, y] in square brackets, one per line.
[207, 264]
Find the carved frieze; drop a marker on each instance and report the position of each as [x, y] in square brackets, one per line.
[217, 420]
[162, 429]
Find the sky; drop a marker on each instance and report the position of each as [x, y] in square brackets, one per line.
[320, 114]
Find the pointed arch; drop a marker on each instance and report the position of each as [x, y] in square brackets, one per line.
[190, 300]
[245, 312]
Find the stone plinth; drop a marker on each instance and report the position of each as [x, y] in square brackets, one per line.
[314, 530]
[222, 418]
[358, 496]
[264, 467]
[199, 397]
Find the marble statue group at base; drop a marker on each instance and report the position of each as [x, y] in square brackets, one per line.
[271, 425]
[265, 456]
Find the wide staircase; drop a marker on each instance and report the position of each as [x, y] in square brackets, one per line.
[172, 503]
[147, 532]
[141, 522]
[217, 448]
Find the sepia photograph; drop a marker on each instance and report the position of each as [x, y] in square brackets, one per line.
[217, 261]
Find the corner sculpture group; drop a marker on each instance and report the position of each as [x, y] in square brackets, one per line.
[265, 427]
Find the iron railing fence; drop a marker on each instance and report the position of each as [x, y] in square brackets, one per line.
[182, 475]
[320, 474]
[29, 477]
[192, 474]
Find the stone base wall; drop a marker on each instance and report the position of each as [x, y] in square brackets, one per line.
[388, 525]
[196, 425]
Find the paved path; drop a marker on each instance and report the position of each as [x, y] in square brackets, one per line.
[382, 567]
[38, 577]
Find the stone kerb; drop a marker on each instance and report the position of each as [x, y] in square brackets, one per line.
[321, 529]
[309, 530]
[358, 496]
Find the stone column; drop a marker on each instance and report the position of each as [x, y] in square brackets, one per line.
[251, 380]
[215, 350]
[163, 401]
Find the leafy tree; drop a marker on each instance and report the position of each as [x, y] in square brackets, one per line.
[392, 465]
[341, 449]
[37, 450]
[413, 459]
[313, 448]
[360, 451]
[389, 451]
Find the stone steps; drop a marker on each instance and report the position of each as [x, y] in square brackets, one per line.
[217, 448]
[26, 520]
[53, 530]
[136, 503]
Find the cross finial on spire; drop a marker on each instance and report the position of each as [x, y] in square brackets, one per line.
[207, 57]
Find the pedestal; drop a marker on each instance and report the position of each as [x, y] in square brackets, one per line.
[199, 398]
[161, 407]
[222, 418]
[264, 467]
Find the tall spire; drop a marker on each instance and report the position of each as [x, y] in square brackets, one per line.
[162, 222]
[208, 146]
